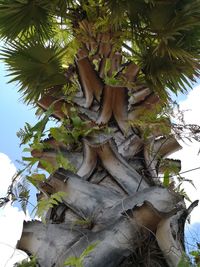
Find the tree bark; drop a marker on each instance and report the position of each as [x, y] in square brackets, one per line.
[116, 197]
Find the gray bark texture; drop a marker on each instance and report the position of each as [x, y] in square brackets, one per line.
[116, 197]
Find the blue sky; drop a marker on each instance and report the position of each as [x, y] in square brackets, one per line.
[13, 114]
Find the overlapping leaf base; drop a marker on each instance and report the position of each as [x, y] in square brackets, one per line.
[115, 196]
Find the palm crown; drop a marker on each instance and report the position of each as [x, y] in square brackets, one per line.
[162, 37]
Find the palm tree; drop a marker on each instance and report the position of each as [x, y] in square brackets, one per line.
[105, 70]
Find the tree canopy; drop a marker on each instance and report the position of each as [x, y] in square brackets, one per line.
[161, 37]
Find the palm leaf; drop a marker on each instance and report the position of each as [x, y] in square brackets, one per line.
[19, 17]
[35, 67]
[165, 35]
[167, 38]
[166, 72]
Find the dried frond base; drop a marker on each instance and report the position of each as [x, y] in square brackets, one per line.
[146, 252]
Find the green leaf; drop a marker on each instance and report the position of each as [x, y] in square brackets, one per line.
[88, 250]
[73, 261]
[23, 199]
[30, 159]
[107, 66]
[46, 165]
[63, 162]
[25, 134]
[61, 134]
[32, 262]
[184, 262]
[45, 204]
[35, 178]
[166, 179]
[195, 253]
[78, 261]
[57, 134]
[86, 222]
[77, 122]
[183, 193]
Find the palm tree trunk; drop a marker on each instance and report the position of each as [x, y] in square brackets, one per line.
[116, 197]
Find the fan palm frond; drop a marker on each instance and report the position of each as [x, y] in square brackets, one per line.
[35, 66]
[19, 17]
[167, 38]
[175, 70]
[186, 17]
[164, 34]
